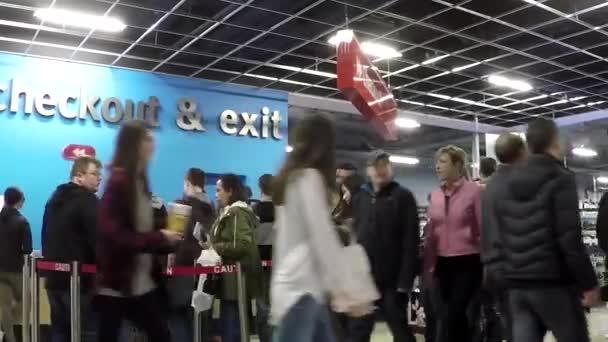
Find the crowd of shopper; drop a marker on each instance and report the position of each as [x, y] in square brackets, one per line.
[503, 249]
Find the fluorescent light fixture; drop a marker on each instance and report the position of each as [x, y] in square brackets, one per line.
[401, 70]
[584, 152]
[262, 77]
[412, 102]
[380, 51]
[441, 96]
[458, 99]
[603, 180]
[342, 36]
[404, 160]
[373, 49]
[502, 81]
[438, 107]
[80, 19]
[434, 59]
[578, 98]
[555, 103]
[407, 123]
[595, 103]
[288, 149]
[464, 67]
[302, 70]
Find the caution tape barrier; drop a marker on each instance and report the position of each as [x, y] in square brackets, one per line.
[172, 271]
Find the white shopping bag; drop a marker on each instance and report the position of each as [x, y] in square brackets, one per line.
[362, 284]
[202, 301]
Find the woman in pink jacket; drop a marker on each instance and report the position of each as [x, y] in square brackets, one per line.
[452, 245]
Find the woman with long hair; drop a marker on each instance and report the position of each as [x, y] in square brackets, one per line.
[309, 261]
[343, 215]
[129, 273]
[233, 238]
[452, 245]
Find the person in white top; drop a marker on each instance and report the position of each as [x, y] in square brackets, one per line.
[309, 261]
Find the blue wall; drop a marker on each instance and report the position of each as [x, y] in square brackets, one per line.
[31, 145]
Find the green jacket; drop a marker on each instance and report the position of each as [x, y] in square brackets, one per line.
[233, 238]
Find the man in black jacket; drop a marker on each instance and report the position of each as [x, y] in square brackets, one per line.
[510, 150]
[15, 241]
[387, 226]
[69, 234]
[548, 274]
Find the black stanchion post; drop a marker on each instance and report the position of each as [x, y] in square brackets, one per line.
[242, 303]
[34, 300]
[75, 301]
[25, 300]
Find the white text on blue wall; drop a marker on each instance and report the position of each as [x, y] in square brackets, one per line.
[113, 110]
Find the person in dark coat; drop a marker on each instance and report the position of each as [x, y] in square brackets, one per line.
[199, 223]
[511, 151]
[69, 233]
[15, 242]
[387, 226]
[264, 236]
[548, 273]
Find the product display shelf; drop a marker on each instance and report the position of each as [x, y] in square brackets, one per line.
[598, 257]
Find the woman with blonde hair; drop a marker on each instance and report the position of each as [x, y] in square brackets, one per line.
[452, 245]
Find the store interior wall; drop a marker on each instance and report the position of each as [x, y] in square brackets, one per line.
[32, 144]
[421, 181]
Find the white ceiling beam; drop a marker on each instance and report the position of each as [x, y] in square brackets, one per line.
[341, 106]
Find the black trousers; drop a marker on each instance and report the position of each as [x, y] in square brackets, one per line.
[534, 312]
[145, 312]
[394, 308]
[459, 279]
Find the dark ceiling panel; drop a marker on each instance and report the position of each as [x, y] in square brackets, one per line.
[478, 44]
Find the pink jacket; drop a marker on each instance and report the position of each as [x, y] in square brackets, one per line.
[454, 223]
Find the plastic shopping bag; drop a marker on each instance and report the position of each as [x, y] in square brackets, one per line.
[362, 286]
[202, 301]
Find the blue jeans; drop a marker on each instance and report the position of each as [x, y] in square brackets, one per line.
[229, 321]
[262, 316]
[59, 302]
[306, 321]
[181, 324]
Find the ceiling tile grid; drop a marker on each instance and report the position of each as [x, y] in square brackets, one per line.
[448, 48]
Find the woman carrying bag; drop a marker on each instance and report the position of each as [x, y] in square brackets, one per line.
[233, 238]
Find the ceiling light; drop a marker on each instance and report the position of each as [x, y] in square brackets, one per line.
[578, 98]
[404, 160]
[441, 96]
[342, 36]
[288, 149]
[502, 81]
[79, 19]
[407, 123]
[438, 107]
[555, 103]
[412, 102]
[302, 70]
[373, 49]
[380, 51]
[458, 99]
[401, 70]
[261, 77]
[464, 67]
[595, 103]
[584, 152]
[434, 59]
[603, 180]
